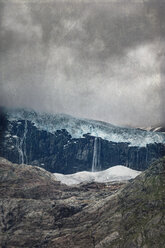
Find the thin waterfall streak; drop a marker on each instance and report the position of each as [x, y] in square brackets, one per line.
[21, 145]
[96, 155]
[137, 158]
[24, 142]
[99, 152]
[146, 155]
[20, 152]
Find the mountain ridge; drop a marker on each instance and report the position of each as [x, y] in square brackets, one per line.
[62, 145]
[77, 127]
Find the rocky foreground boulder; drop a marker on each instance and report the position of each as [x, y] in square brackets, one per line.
[38, 211]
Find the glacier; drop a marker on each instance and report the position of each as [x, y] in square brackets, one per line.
[78, 127]
[117, 173]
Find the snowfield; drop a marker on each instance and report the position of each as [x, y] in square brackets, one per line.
[115, 173]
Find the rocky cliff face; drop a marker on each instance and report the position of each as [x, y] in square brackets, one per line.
[24, 141]
[38, 211]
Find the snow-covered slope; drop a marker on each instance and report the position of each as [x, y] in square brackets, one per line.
[154, 129]
[78, 127]
[116, 173]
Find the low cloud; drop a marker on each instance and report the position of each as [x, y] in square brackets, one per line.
[94, 60]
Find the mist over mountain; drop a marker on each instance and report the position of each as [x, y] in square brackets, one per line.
[91, 59]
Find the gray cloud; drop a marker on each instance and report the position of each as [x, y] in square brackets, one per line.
[95, 60]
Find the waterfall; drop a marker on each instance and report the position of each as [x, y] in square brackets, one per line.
[137, 159]
[21, 145]
[19, 148]
[146, 155]
[24, 143]
[96, 155]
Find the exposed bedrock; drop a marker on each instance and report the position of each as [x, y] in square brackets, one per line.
[37, 211]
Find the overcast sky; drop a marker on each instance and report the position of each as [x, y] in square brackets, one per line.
[99, 59]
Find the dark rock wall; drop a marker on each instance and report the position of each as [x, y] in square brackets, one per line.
[22, 142]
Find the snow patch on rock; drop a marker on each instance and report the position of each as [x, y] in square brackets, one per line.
[115, 173]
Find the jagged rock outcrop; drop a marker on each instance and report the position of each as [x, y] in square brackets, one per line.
[23, 142]
[143, 209]
[38, 211]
